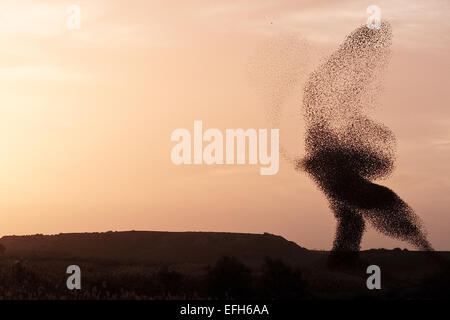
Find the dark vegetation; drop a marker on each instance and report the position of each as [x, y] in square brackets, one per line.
[227, 266]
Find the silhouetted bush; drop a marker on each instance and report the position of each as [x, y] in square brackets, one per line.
[280, 281]
[229, 279]
[170, 282]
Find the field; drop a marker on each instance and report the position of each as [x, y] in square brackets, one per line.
[200, 265]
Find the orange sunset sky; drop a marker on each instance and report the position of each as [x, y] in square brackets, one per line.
[86, 115]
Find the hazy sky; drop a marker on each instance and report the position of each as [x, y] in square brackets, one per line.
[86, 115]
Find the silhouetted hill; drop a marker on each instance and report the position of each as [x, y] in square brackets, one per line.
[199, 265]
[155, 247]
[199, 248]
